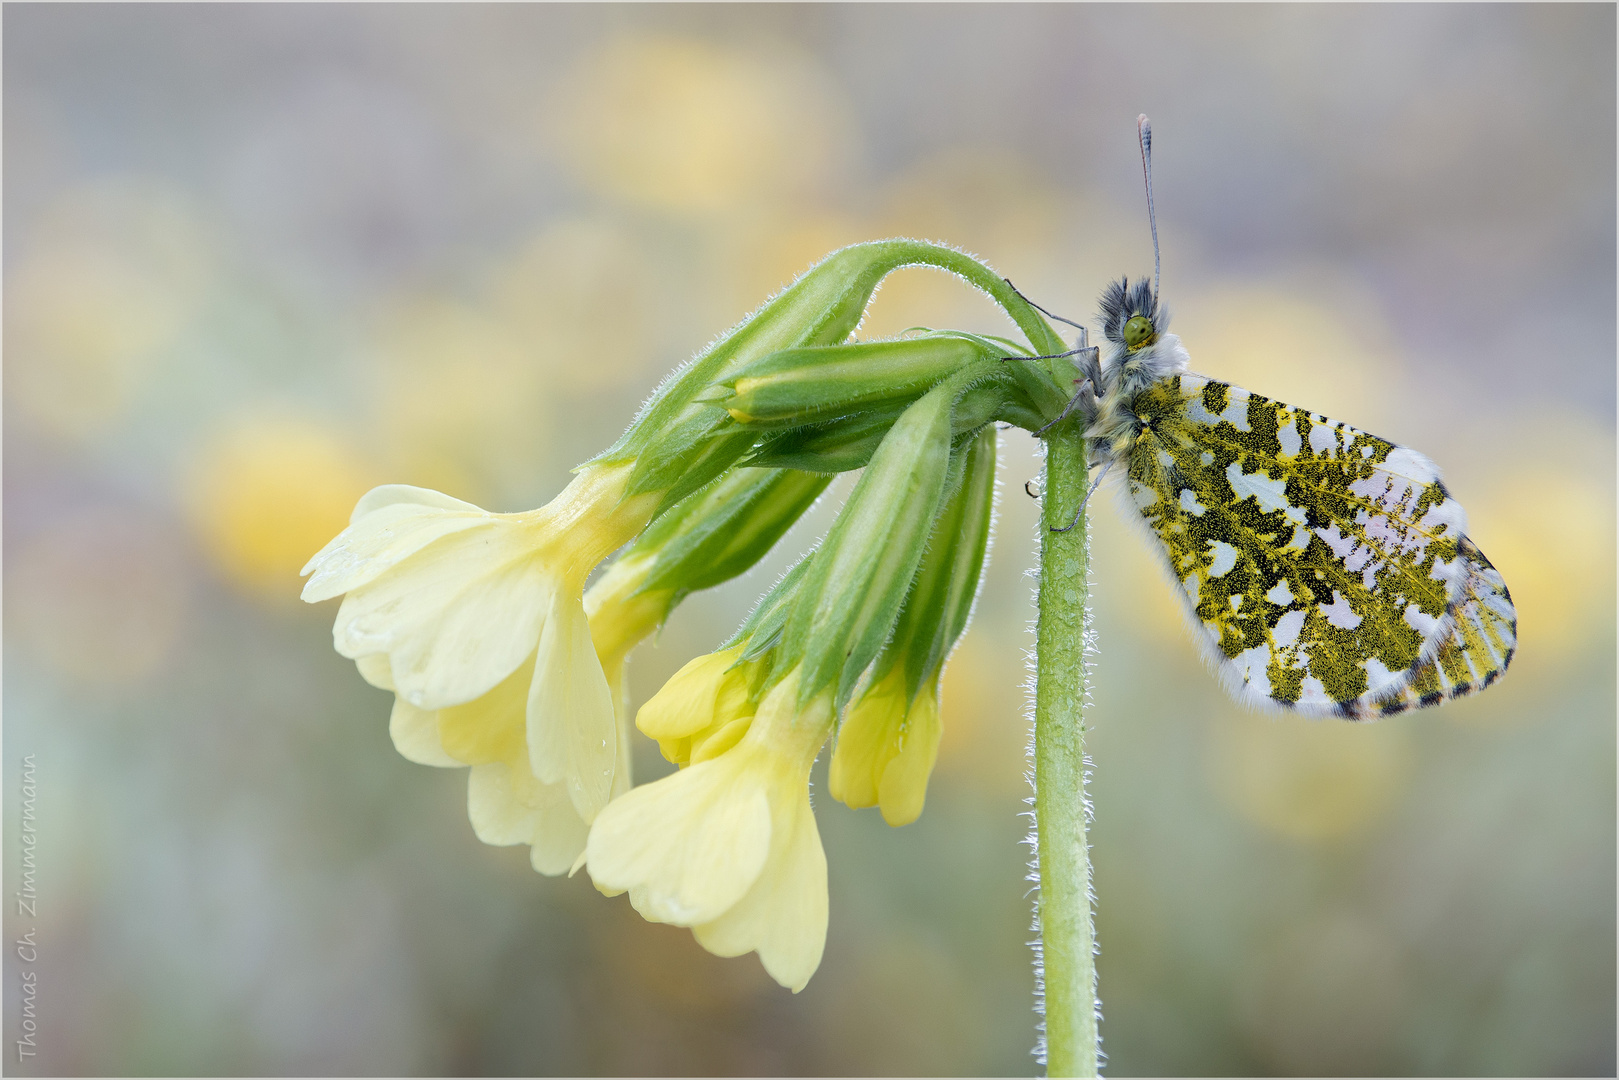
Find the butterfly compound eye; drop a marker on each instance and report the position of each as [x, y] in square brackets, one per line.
[1139, 332]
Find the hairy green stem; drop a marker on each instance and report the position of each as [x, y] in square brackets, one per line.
[1067, 933]
[1049, 387]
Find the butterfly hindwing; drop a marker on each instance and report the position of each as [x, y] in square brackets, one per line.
[1324, 567]
[1480, 646]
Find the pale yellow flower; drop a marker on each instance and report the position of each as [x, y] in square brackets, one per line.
[703, 710]
[886, 748]
[481, 619]
[728, 845]
[506, 803]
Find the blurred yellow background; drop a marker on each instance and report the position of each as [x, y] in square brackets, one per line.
[260, 258]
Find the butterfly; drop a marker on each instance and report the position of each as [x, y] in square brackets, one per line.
[1324, 570]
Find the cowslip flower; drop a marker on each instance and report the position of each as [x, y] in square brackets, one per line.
[887, 745]
[703, 541]
[703, 710]
[477, 622]
[889, 738]
[728, 845]
[499, 661]
[506, 803]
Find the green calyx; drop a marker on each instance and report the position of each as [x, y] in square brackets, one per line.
[682, 441]
[850, 598]
[827, 410]
[940, 601]
[725, 529]
[745, 438]
[791, 387]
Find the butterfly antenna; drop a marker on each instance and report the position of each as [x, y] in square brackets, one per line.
[1144, 129]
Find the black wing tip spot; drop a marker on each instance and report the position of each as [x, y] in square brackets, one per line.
[1394, 708]
[1428, 700]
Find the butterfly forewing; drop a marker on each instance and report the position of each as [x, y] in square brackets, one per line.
[1323, 566]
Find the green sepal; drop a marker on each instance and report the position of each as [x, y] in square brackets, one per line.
[945, 587]
[797, 386]
[848, 601]
[988, 391]
[832, 447]
[728, 528]
[762, 629]
[699, 464]
[680, 442]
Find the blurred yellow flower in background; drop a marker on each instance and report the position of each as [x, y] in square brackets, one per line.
[729, 846]
[685, 126]
[458, 399]
[1553, 531]
[567, 285]
[1314, 341]
[265, 491]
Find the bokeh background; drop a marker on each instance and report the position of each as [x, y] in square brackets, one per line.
[259, 258]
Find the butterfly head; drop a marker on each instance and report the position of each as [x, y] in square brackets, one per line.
[1131, 318]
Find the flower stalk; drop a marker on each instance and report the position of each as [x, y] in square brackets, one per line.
[1062, 685]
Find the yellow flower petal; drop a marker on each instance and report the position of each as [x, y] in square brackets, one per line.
[690, 701]
[783, 917]
[618, 684]
[455, 595]
[711, 743]
[677, 751]
[406, 494]
[729, 845]
[375, 670]
[508, 806]
[904, 784]
[886, 750]
[379, 541]
[492, 727]
[455, 619]
[686, 847]
[864, 742]
[572, 731]
[415, 735]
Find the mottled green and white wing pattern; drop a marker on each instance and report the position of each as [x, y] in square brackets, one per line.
[1480, 646]
[1326, 570]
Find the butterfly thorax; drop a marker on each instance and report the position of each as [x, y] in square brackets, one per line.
[1138, 354]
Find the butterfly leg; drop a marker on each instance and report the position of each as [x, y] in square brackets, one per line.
[1084, 400]
[1094, 485]
[1042, 310]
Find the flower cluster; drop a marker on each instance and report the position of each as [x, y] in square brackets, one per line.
[501, 661]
